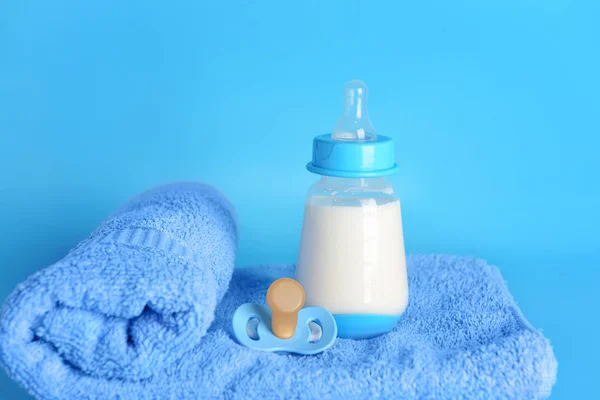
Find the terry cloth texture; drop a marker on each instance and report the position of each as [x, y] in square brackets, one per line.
[139, 311]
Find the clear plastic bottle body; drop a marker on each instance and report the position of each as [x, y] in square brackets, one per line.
[352, 259]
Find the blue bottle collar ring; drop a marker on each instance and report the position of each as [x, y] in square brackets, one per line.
[353, 159]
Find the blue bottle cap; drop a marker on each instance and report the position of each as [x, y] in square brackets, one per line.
[353, 150]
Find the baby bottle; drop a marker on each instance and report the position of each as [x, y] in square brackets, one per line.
[351, 258]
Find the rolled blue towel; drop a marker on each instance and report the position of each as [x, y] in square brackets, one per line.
[126, 303]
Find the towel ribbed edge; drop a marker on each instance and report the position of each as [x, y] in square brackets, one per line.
[141, 237]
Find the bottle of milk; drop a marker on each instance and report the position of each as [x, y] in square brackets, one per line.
[352, 259]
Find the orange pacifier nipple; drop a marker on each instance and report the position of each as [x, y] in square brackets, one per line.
[285, 297]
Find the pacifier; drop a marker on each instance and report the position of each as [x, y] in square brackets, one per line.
[284, 326]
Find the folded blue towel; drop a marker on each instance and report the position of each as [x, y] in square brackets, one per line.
[125, 316]
[462, 336]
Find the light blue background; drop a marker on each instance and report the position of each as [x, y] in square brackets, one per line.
[494, 106]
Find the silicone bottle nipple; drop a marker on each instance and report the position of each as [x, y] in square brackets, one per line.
[354, 124]
[285, 297]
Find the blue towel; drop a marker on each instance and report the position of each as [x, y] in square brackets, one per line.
[127, 302]
[461, 337]
[127, 319]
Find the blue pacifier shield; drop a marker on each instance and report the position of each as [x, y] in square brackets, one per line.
[300, 343]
